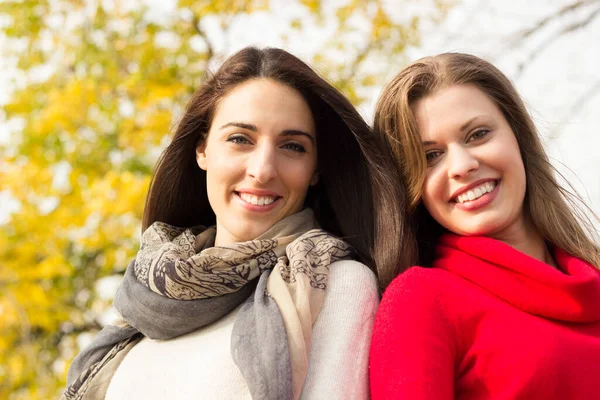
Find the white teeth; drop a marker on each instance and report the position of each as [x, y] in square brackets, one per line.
[256, 200]
[477, 192]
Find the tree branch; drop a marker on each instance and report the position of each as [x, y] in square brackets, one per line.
[549, 40]
[353, 69]
[559, 13]
[200, 31]
[576, 107]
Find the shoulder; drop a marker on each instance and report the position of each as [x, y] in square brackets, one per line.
[418, 282]
[352, 278]
[414, 339]
[417, 295]
[352, 288]
[352, 269]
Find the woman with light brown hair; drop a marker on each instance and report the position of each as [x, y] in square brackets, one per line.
[505, 302]
[266, 219]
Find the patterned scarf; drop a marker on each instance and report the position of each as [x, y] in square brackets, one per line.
[179, 282]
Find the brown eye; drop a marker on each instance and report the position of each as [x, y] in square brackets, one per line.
[432, 155]
[479, 134]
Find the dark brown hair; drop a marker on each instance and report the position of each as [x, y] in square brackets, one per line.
[358, 196]
[557, 213]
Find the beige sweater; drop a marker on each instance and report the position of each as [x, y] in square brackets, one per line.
[199, 365]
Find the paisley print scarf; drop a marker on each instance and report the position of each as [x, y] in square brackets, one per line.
[180, 282]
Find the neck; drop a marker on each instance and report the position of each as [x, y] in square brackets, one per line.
[527, 239]
[223, 238]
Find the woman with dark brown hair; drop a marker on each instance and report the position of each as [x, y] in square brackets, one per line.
[263, 226]
[506, 301]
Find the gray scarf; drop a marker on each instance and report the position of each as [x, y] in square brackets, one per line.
[179, 282]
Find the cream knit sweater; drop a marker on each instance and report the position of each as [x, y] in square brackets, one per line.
[199, 365]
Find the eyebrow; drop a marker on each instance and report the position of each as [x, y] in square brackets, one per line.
[469, 122]
[463, 128]
[253, 128]
[295, 132]
[242, 125]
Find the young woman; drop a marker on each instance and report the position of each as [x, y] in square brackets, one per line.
[506, 301]
[245, 284]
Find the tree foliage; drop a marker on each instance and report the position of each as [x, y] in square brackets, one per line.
[95, 93]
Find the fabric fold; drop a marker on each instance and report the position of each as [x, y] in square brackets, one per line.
[257, 348]
[159, 317]
[180, 282]
[571, 294]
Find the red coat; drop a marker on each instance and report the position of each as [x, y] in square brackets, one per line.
[489, 322]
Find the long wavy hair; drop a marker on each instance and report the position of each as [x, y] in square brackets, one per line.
[358, 196]
[560, 216]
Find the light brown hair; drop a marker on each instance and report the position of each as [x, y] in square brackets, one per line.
[357, 198]
[559, 214]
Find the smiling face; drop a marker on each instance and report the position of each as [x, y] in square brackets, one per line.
[475, 182]
[260, 158]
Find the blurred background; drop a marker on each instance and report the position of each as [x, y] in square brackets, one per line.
[90, 91]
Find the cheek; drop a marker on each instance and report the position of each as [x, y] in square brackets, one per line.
[433, 194]
[220, 175]
[519, 172]
[298, 177]
[520, 185]
[513, 167]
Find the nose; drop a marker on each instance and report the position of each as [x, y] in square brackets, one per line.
[461, 162]
[262, 164]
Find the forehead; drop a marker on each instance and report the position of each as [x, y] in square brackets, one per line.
[263, 99]
[449, 108]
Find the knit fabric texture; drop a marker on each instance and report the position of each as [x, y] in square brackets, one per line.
[488, 321]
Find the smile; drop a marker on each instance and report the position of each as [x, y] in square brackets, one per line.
[257, 200]
[476, 192]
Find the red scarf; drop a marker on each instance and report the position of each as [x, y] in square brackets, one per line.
[571, 294]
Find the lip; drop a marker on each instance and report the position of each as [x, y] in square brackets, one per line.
[470, 186]
[481, 201]
[257, 192]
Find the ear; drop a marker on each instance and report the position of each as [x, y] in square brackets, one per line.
[201, 156]
[315, 178]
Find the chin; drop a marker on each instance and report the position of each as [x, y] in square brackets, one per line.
[475, 230]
